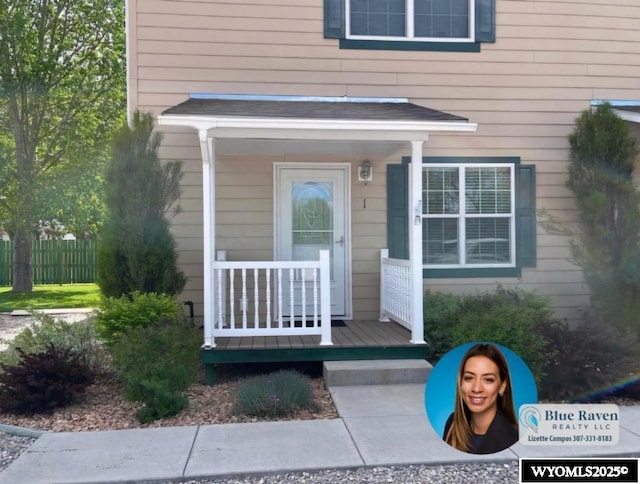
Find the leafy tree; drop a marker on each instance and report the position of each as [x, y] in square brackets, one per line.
[62, 89]
[137, 251]
[73, 197]
[607, 246]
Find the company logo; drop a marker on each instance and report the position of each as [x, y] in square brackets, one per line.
[530, 418]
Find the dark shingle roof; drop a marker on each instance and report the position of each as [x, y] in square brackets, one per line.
[631, 108]
[398, 111]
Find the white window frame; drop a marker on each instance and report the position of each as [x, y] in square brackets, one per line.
[409, 26]
[462, 215]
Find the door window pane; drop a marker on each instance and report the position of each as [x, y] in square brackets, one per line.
[312, 219]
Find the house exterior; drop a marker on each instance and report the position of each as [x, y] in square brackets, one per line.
[434, 129]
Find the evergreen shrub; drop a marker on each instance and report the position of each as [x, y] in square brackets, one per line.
[137, 251]
[605, 240]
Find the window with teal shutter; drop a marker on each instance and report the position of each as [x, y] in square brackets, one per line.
[478, 216]
[445, 25]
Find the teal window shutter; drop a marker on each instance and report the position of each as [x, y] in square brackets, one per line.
[526, 215]
[398, 211]
[334, 27]
[485, 20]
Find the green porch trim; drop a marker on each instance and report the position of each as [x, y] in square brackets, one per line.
[210, 357]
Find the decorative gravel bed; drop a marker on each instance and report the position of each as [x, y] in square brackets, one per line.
[11, 446]
[451, 474]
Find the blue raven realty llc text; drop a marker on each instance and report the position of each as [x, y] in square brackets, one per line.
[581, 419]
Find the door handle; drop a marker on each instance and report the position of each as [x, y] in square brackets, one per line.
[340, 241]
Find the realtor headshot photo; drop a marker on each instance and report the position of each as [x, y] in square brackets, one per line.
[473, 394]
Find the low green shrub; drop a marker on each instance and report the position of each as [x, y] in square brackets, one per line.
[117, 315]
[514, 318]
[80, 337]
[156, 365]
[160, 399]
[42, 381]
[440, 314]
[273, 395]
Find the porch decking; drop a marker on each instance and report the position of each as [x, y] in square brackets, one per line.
[356, 340]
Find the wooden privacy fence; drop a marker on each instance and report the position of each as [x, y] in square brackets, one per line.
[53, 261]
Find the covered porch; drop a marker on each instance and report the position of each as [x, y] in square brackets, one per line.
[282, 308]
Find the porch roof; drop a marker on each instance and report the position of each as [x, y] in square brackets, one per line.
[629, 112]
[298, 117]
[627, 109]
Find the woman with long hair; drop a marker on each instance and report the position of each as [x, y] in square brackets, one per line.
[483, 420]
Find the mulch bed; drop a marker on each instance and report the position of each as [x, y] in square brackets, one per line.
[102, 406]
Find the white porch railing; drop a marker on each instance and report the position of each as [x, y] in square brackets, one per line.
[272, 298]
[395, 289]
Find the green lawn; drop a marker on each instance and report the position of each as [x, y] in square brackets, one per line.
[51, 296]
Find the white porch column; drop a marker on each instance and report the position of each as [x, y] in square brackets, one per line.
[207, 148]
[415, 242]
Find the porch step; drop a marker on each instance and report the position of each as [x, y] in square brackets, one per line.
[375, 372]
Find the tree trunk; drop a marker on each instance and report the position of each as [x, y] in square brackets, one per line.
[23, 216]
[22, 280]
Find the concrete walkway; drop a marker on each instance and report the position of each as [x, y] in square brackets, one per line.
[378, 425]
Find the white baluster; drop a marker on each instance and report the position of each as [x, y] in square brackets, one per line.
[232, 316]
[218, 296]
[315, 298]
[268, 282]
[244, 300]
[256, 322]
[304, 298]
[279, 277]
[291, 298]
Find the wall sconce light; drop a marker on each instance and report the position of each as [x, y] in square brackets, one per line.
[365, 172]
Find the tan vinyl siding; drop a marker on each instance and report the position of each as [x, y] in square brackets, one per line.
[550, 60]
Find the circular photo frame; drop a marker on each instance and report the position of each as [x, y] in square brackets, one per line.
[440, 389]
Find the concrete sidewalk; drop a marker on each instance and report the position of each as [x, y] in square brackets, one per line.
[378, 425]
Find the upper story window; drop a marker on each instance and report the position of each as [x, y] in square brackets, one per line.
[418, 20]
[444, 25]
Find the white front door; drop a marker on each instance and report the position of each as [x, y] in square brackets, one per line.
[311, 214]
